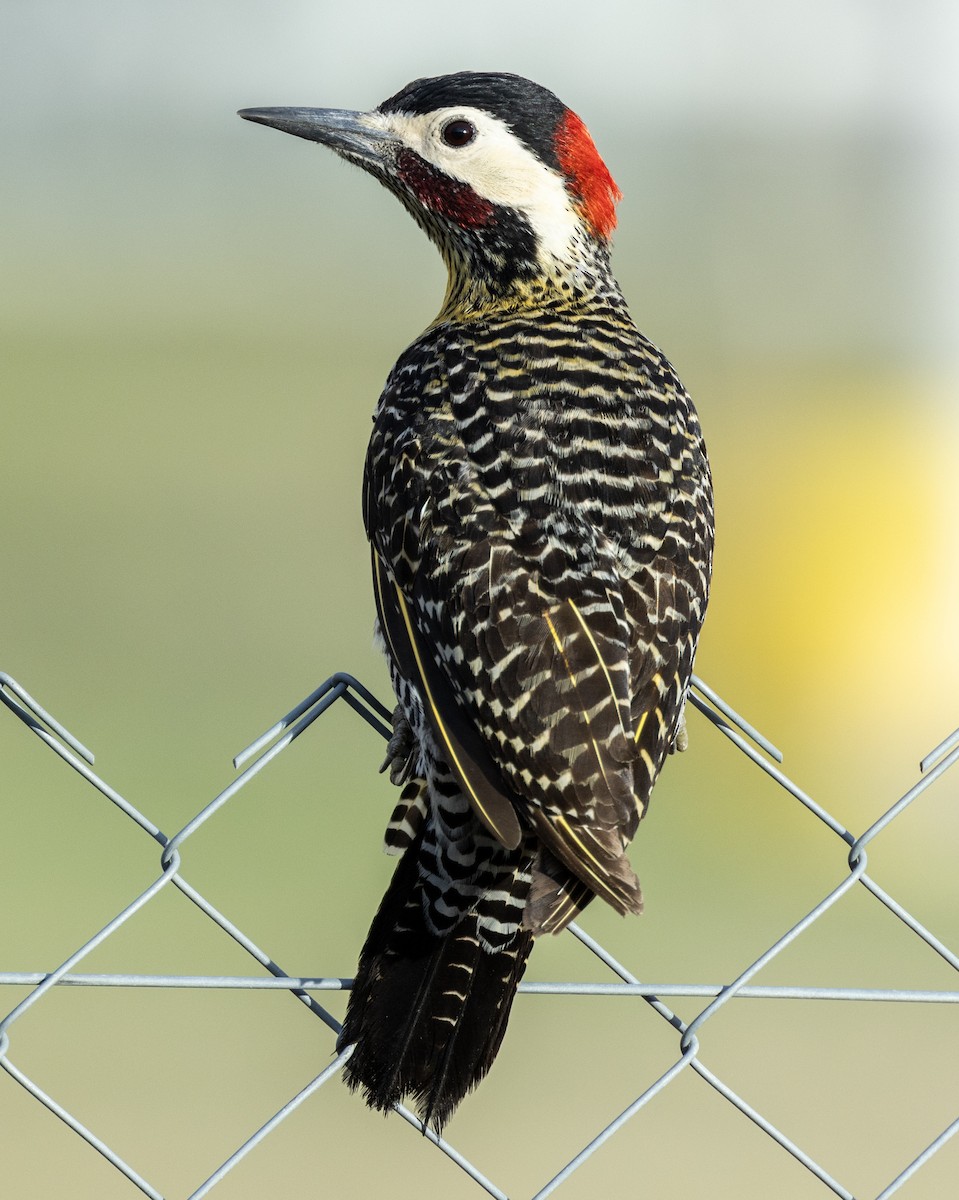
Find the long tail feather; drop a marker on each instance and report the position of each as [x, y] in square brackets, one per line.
[428, 1012]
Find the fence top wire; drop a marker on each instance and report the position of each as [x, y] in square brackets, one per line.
[758, 749]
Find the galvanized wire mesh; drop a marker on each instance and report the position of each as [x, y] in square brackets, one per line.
[256, 757]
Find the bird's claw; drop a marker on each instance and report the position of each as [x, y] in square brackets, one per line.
[400, 750]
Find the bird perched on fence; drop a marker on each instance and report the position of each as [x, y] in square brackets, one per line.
[538, 504]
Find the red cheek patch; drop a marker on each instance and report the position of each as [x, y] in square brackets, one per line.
[449, 197]
[589, 178]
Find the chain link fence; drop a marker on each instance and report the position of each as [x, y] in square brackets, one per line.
[852, 850]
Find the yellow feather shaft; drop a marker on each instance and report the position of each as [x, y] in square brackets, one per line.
[562, 652]
[599, 658]
[440, 724]
[578, 841]
[378, 584]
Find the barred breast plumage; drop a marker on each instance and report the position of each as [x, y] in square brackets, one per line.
[539, 509]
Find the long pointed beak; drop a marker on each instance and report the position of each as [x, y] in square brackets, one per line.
[352, 134]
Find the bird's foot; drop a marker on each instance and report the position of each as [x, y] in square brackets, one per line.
[400, 750]
[681, 740]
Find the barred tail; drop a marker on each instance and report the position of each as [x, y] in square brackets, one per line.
[428, 1011]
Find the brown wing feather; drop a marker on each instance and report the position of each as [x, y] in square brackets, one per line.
[464, 751]
[555, 712]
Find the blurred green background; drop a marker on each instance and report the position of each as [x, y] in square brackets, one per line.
[196, 318]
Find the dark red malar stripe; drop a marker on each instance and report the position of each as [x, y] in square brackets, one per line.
[451, 198]
[589, 177]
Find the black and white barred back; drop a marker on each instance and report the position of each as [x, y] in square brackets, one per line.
[538, 504]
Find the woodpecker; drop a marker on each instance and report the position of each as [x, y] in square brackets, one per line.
[538, 504]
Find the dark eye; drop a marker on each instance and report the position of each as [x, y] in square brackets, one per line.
[458, 133]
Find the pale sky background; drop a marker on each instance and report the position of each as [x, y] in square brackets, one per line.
[845, 112]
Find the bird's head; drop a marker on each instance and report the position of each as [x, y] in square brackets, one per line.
[497, 170]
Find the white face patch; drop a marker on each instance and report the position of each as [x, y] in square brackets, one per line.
[498, 167]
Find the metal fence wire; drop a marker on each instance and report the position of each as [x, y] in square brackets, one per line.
[344, 688]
